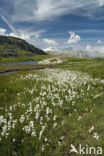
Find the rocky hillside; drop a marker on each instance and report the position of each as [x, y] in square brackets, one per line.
[12, 46]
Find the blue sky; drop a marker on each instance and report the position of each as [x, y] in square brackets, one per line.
[57, 24]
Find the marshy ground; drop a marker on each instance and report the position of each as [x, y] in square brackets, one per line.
[43, 112]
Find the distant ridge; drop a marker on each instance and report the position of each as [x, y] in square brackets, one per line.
[71, 53]
[12, 46]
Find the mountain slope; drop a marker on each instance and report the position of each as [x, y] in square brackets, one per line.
[12, 46]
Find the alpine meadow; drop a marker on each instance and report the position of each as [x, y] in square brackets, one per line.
[51, 78]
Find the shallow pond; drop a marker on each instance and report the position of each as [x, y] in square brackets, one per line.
[20, 63]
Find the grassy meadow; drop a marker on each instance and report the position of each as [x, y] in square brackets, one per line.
[44, 111]
[24, 58]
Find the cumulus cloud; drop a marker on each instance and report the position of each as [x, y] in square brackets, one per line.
[50, 49]
[74, 38]
[22, 35]
[99, 42]
[2, 31]
[50, 42]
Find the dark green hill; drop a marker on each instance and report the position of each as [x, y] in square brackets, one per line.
[13, 47]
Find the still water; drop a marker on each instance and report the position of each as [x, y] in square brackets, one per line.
[20, 63]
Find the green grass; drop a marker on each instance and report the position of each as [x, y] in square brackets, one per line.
[24, 58]
[31, 92]
[94, 66]
[53, 60]
[5, 68]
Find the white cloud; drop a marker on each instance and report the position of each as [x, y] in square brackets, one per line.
[101, 2]
[50, 49]
[37, 33]
[23, 34]
[50, 42]
[90, 31]
[48, 9]
[15, 33]
[99, 42]
[20, 35]
[2, 31]
[12, 34]
[100, 49]
[97, 51]
[88, 48]
[74, 38]
[33, 37]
